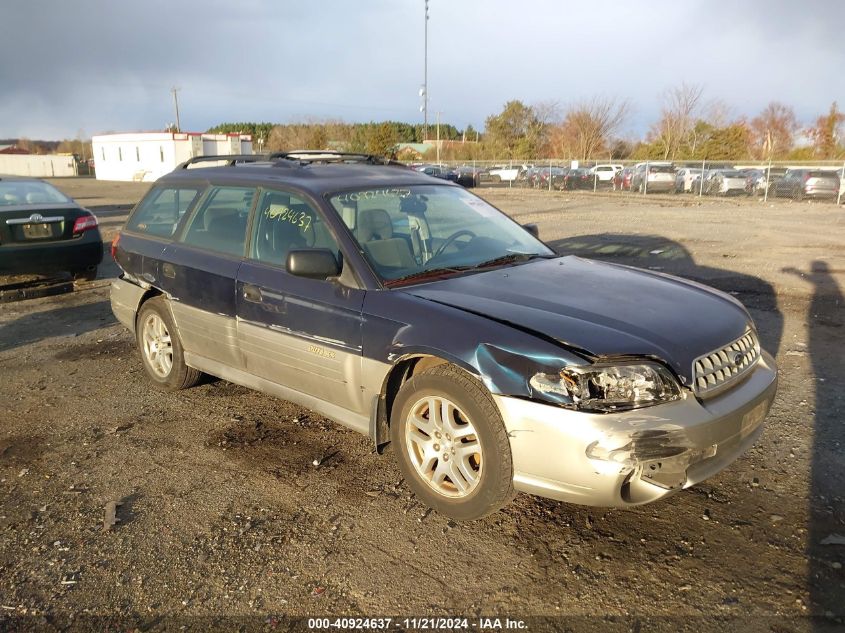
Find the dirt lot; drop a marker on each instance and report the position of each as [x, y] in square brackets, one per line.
[225, 514]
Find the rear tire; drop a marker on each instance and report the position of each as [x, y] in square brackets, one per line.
[451, 445]
[161, 348]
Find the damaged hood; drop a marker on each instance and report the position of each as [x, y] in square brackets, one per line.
[603, 309]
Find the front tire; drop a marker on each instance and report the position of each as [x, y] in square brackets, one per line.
[451, 445]
[161, 348]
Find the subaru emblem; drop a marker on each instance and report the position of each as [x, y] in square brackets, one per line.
[738, 360]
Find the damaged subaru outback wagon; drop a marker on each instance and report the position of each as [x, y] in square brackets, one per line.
[412, 311]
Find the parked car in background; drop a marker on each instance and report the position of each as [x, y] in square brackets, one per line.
[622, 179]
[44, 231]
[657, 177]
[559, 177]
[538, 177]
[487, 362]
[684, 179]
[578, 178]
[469, 176]
[604, 173]
[701, 182]
[724, 182]
[840, 176]
[523, 176]
[437, 171]
[506, 173]
[756, 181]
[807, 183]
[545, 174]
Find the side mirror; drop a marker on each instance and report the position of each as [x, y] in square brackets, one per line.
[312, 263]
[533, 229]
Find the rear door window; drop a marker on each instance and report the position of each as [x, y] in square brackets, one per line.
[219, 224]
[161, 210]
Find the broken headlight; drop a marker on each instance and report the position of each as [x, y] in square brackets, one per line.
[607, 388]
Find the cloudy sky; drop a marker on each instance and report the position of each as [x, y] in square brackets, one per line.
[92, 66]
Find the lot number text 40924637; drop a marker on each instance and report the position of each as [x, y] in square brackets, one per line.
[418, 623]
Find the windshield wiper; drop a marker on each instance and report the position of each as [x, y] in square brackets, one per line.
[435, 273]
[432, 273]
[510, 258]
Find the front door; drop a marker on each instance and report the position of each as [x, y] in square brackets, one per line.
[303, 334]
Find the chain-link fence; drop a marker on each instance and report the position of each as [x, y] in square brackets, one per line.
[817, 180]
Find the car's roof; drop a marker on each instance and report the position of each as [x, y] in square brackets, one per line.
[20, 178]
[317, 178]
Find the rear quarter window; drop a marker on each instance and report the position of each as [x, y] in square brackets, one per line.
[161, 210]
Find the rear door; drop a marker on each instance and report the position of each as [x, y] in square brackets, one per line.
[151, 227]
[199, 272]
[303, 334]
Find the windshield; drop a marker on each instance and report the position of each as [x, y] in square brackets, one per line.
[23, 192]
[413, 231]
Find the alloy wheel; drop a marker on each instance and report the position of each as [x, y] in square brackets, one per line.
[157, 345]
[443, 446]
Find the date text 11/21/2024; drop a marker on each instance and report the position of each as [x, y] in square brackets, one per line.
[418, 623]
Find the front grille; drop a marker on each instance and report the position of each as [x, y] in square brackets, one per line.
[722, 367]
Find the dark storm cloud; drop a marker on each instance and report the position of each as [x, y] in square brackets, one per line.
[94, 65]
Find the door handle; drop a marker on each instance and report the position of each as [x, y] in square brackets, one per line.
[252, 293]
[168, 270]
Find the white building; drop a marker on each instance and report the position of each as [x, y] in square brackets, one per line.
[38, 165]
[145, 156]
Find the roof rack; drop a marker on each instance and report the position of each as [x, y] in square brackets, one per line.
[289, 159]
[229, 159]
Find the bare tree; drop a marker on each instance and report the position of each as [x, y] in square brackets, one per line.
[587, 127]
[677, 117]
[546, 115]
[719, 114]
[773, 131]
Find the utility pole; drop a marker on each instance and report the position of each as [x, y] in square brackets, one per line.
[438, 138]
[175, 90]
[425, 78]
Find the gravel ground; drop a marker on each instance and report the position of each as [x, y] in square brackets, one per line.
[225, 514]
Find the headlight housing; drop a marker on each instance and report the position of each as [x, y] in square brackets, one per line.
[608, 388]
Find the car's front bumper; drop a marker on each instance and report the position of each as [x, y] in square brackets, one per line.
[631, 458]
